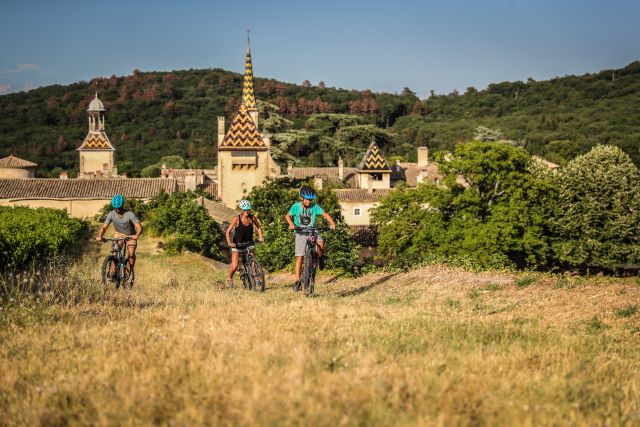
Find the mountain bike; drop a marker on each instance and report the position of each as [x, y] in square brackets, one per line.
[251, 271]
[115, 267]
[311, 259]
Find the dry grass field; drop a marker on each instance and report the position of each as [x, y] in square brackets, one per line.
[436, 346]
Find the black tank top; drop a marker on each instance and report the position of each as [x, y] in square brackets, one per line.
[243, 233]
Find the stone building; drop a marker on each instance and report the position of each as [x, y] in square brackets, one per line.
[13, 167]
[97, 152]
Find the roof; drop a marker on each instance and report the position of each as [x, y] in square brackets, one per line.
[359, 195]
[248, 98]
[96, 141]
[409, 172]
[16, 162]
[364, 235]
[96, 104]
[243, 133]
[49, 188]
[330, 174]
[373, 160]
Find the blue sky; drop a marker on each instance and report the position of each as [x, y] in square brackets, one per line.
[382, 46]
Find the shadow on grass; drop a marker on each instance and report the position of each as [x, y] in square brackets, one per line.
[368, 287]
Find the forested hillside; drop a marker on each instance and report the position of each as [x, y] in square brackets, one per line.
[155, 114]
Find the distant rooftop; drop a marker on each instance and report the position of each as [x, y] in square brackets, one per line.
[16, 162]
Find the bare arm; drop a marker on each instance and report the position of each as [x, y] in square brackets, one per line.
[138, 227]
[332, 225]
[256, 221]
[232, 224]
[287, 218]
[101, 232]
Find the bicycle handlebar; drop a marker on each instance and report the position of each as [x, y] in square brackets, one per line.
[308, 230]
[246, 245]
[115, 239]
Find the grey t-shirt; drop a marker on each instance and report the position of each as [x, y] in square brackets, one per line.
[123, 224]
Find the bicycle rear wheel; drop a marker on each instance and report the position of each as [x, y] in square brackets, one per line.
[257, 275]
[109, 271]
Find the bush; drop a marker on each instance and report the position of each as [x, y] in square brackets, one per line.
[186, 224]
[32, 235]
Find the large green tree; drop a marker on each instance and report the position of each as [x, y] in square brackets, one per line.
[598, 211]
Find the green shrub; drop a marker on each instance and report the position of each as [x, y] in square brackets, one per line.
[33, 235]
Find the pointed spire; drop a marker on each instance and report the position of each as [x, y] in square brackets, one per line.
[248, 98]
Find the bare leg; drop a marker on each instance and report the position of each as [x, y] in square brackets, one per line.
[320, 248]
[233, 266]
[132, 261]
[299, 267]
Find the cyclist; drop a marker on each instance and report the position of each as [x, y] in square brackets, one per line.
[243, 225]
[303, 215]
[126, 224]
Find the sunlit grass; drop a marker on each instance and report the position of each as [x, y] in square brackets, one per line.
[436, 346]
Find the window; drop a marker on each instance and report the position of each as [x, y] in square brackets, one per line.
[376, 176]
[356, 211]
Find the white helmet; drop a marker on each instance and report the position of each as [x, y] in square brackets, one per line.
[245, 205]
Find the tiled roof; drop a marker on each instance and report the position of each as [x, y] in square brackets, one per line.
[330, 174]
[359, 195]
[248, 98]
[243, 133]
[409, 172]
[16, 162]
[373, 160]
[364, 235]
[38, 188]
[96, 141]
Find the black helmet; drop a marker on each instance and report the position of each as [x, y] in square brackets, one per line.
[307, 192]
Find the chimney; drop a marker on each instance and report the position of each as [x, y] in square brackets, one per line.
[289, 167]
[317, 181]
[98, 174]
[423, 156]
[163, 171]
[220, 129]
[171, 173]
[340, 169]
[190, 181]
[123, 174]
[64, 175]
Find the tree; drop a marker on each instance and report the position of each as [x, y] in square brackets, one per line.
[598, 211]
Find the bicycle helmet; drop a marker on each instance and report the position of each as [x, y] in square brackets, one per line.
[117, 201]
[307, 192]
[245, 205]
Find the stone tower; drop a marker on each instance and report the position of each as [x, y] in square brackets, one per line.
[373, 171]
[244, 154]
[96, 152]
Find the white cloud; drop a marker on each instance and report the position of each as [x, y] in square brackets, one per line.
[20, 68]
[5, 88]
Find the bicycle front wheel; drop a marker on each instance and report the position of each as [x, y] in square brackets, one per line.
[257, 275]
[109, 271]
[308, 272]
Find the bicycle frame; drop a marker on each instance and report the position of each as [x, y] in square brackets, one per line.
[119, 252]
[247, 256]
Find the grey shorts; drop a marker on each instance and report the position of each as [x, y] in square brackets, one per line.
[301, 243]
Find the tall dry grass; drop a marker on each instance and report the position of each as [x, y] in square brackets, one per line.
[436, 346]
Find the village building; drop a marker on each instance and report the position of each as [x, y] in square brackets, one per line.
[97, 154]
[13, 167]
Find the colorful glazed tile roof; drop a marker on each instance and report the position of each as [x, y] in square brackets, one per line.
[248, 97]
[373, 160]
[96, 141]
[243, 133]
[14, 162]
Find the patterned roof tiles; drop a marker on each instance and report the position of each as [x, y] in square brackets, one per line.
[16, 162]
[243, 133]
[38, 188]
[373, 160]
[96, 141]
[248, 97]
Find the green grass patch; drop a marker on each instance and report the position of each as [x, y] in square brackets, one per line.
[492, 287]
[627, 311]
[455, 304]
[595, 326]
[523, 282]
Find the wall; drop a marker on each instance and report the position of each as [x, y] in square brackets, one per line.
[92, 161]
[363, 218]
[16, 173]
[76, 208]
[235, 183]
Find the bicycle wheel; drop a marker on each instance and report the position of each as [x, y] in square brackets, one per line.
[308, 272]
[126, 276]
[109, 266]
[257, 275]
[246, 280]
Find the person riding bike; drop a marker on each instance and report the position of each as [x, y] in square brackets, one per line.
[125, 223]
[303, 215]
[243, 225]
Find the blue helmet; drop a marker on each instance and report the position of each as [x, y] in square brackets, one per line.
[117, 201]
[307, 192]
[245, 205]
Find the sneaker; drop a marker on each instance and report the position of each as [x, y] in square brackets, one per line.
[297, 286]
[229, 283]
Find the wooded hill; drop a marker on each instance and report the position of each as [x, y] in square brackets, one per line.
[155, 114]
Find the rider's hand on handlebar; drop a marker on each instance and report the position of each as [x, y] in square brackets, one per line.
[332, 226]
[232, 245]
[292, 227]
[99, 239]
[133, 237]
